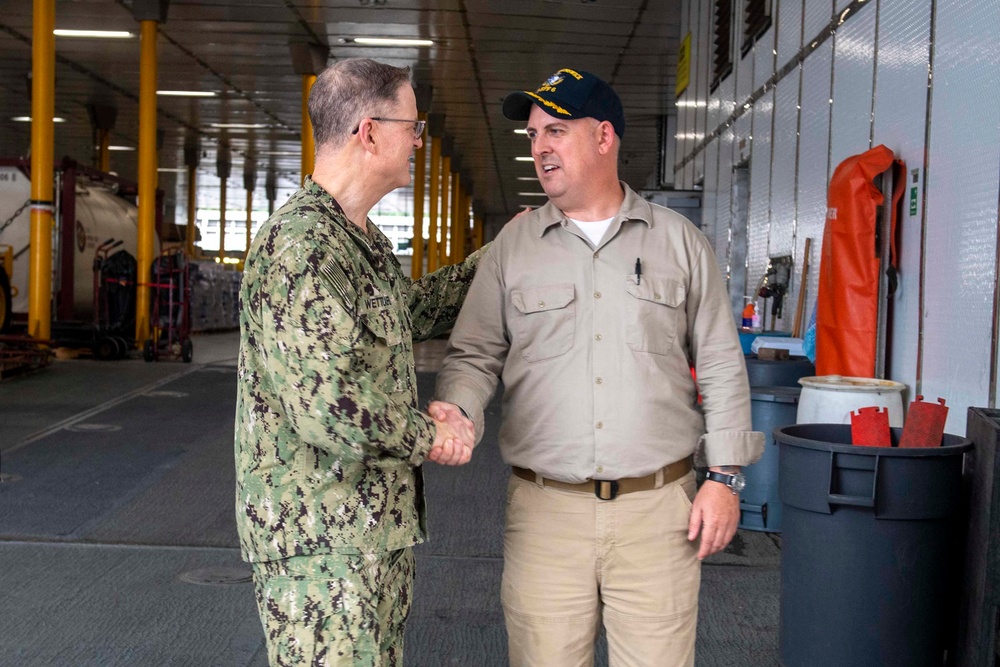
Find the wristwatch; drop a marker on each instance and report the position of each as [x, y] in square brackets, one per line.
[736, 481]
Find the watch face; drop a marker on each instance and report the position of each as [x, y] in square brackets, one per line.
[738, 483]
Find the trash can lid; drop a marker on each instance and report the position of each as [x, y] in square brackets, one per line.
[775, 394]
[837, 438]
[852, 384]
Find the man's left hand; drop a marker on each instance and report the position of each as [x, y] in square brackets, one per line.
[715, 514]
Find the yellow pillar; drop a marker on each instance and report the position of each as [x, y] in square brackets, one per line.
[445, 210]
[456, 218]
[419, 175]
[432, 224]
[147, 174]
[308, 142]
[222, 218]
[43, 76]
[464, 234]
[246, 253]
[103, 154]
[192, 208]
[477, 231]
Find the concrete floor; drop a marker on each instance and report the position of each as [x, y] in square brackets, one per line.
[117, 493]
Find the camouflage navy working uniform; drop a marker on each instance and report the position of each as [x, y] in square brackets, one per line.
[328, 432]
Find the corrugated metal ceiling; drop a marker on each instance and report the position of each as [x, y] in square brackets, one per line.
[240, 49]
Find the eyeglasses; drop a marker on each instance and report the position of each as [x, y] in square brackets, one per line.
[418, 125]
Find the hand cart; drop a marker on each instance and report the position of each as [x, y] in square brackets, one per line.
[171, 309]
[114, 301]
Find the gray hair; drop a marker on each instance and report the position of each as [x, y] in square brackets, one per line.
[348, 91]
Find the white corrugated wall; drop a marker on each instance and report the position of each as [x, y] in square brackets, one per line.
[865, 85]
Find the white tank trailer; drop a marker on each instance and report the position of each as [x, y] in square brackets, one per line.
[92, 208]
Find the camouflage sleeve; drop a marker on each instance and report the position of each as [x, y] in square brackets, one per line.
[436, 298]
[315, 362]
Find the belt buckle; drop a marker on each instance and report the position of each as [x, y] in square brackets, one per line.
[606, 489]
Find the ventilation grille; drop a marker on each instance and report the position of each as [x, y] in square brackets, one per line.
[756, 21]
[722, 40]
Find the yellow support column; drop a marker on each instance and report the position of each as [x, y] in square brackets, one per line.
[308, 142]
[192, 210]
[103, 153]
[270, 189]
[477, 231]
[192, 156]
[246, 252]
[147, 175]
[470, 231]
[445, 210]
[435, 189]
[43, 76]
[419, 175]
[456, 218]
[222, 219]
[223, 166]
[102, 119]
[249, 183]
[464, 240]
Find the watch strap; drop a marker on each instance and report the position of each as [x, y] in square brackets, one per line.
[734, 482]
[721, 477]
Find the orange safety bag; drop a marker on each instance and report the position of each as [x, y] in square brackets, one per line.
[847, 300]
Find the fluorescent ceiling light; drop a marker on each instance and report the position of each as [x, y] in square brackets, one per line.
[172, 170]
[186, 93]
[525, 159]
[238, 126]
[282, 153]
[520, 131]
[691, 103]
[527, 178]
[392, 41]
[119, 148]
[101, 34]
[531, 194]
[27, 119]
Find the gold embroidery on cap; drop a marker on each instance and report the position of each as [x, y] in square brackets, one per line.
[576, 75]
[551, 105]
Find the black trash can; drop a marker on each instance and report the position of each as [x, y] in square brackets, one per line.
[760, 504]
[871, 549]
[778, 372]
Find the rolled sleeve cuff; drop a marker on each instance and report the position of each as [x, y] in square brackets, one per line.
[424, 427]
[731, 448]
[468, 400]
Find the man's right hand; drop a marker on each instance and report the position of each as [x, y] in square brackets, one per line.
[455, 435]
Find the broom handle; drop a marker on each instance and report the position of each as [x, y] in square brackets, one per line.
[797, 326]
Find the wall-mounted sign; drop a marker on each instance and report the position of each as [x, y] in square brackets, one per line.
[683, 66]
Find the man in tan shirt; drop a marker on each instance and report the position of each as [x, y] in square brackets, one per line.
[593, 310]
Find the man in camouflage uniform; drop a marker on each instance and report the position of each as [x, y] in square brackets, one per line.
[329, 438]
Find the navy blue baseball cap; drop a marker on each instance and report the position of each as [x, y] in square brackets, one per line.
[569, 94]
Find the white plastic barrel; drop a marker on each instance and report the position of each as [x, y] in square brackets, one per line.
[830, 399]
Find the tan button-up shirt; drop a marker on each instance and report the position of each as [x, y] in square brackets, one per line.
[595, 360]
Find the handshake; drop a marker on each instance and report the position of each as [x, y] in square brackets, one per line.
[455, 436]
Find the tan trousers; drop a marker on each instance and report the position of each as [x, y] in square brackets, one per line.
[572, 560]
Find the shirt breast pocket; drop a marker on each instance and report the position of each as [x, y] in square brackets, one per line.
[655, 309]
[384, 325]
[544, 320]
